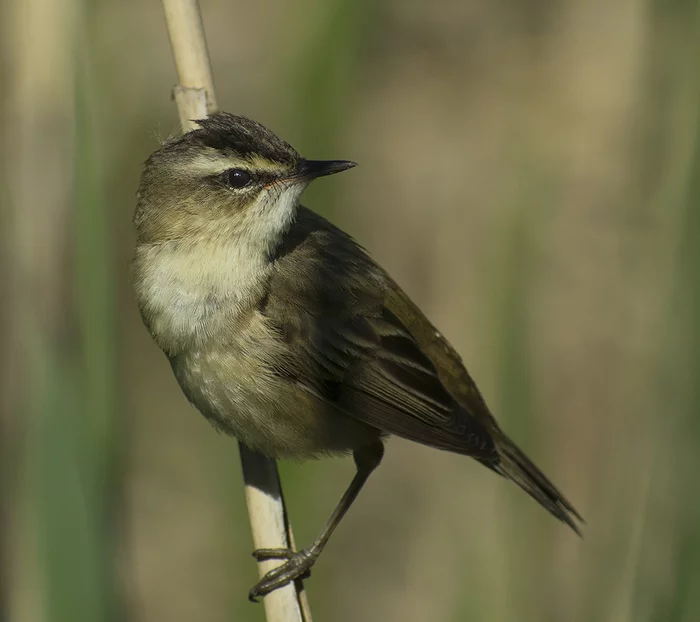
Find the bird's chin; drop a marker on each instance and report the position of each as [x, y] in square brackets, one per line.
[290, 183]
[276, 208]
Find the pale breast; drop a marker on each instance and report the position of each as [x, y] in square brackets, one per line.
[200, 303]
[235, 386]
[188, 292]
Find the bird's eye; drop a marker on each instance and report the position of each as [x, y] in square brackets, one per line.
[237, 178]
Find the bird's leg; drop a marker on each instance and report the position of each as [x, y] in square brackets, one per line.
[298, 564]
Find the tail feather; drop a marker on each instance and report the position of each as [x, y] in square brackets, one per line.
[517, 467]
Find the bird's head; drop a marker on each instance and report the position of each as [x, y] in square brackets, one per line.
[230, 176]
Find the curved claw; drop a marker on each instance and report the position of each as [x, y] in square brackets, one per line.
[298, 566]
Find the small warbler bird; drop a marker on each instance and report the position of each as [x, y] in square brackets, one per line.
[283, 332]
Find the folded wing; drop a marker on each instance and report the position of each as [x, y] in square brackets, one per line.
[347, 327]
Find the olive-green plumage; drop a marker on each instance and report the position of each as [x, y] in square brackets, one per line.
[283, 331]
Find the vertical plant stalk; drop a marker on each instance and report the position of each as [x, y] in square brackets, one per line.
[195, 99]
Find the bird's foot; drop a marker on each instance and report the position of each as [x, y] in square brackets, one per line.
[297, 566]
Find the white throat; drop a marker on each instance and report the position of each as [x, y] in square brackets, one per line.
[190, 288]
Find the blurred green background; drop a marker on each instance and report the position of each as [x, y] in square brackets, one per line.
[529, 172]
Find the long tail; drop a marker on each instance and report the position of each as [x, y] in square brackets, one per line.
[517, 467]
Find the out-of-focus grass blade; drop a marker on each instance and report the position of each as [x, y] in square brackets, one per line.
[677, 597]
[69, 528]
[327, 70]
[516, 404]
[684, 602]
[78, 480]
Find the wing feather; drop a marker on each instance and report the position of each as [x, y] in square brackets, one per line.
[347, 341]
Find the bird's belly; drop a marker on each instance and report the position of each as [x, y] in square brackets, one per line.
[242, 396]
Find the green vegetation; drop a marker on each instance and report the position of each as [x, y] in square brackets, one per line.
[533, 183]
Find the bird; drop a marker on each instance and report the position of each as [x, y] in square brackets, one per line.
[285, 333]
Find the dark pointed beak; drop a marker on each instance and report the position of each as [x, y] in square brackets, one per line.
[311, 169]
